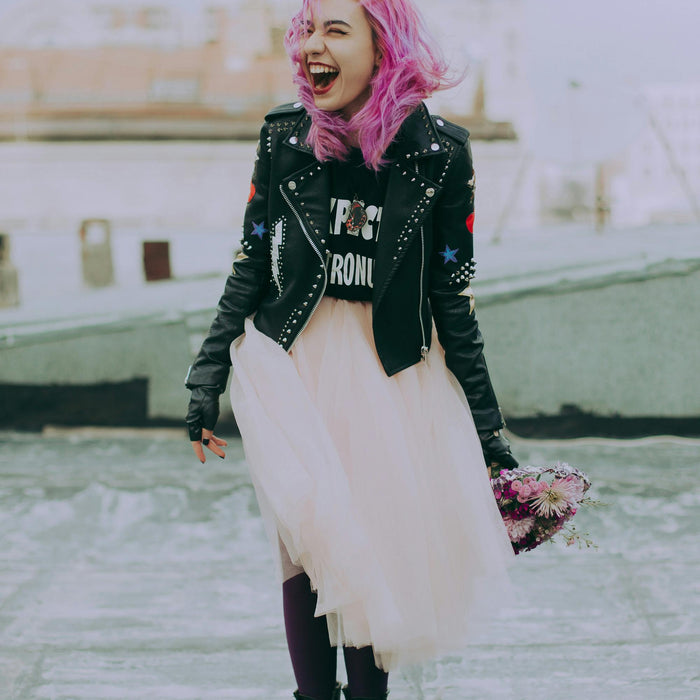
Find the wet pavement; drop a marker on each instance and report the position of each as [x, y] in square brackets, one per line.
[129, 571]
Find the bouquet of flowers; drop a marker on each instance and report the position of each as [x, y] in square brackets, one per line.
[537, 502]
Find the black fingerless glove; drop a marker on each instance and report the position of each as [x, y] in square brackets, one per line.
[496, 450]
[203, 411]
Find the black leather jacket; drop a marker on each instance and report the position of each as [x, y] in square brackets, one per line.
[423, 262]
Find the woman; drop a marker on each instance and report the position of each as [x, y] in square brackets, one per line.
[360, 386]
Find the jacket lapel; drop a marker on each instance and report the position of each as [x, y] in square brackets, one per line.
[308, 189]
[410, 195]
[409, 199]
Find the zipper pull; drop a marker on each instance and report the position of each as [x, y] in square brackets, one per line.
[424, 353]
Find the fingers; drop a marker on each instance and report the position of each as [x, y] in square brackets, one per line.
[210, 441]
[197, 447]
[214, 443]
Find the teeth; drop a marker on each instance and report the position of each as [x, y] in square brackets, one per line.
[316, 69]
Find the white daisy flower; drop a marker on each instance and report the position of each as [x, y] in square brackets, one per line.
[556, 499]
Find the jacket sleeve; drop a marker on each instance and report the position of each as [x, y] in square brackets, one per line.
[451, 297]
[246, 285]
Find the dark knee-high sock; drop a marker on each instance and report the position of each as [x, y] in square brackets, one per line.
[314, 660]
[364, 678]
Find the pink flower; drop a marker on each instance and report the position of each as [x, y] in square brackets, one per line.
[576, 486]
[517, 529]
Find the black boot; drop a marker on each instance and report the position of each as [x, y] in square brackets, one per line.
[348, 696]
[335, 696]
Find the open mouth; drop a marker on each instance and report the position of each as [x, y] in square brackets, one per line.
[322, 77]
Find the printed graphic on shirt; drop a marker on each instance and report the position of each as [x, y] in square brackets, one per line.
[351, 270]
[351, 263]
[340, 213]
[355, 222]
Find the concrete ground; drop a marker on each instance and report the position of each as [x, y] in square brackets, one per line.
[129, 571]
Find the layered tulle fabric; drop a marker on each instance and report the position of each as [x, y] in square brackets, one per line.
[376, 485]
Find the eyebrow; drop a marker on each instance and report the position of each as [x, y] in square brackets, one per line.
[335, 21]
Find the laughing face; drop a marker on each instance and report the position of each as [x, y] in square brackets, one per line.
[339, 56]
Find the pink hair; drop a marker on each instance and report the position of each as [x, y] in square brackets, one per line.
[411, 68]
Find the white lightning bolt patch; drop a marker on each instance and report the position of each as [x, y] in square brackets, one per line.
[277, 240]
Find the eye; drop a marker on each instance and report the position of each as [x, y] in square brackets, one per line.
[337, 31]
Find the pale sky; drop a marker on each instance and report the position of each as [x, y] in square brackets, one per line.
[614, 41]
[611, 48]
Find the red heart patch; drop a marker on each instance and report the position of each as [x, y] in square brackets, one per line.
[470, 223]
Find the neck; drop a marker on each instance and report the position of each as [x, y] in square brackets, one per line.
[352, 140]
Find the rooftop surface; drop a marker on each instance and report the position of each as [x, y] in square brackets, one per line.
[130, 571]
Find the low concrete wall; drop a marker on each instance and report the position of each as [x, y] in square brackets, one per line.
[152, 348]
[623, 344]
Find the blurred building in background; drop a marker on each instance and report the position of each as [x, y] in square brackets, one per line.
[94, 68]
[120, 68]
[485, 39]
[657, 178]
[200, 69]
[149, 69]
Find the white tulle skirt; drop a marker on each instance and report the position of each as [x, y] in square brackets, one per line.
[374, 485]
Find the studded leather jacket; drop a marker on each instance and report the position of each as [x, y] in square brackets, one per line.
[422, 268]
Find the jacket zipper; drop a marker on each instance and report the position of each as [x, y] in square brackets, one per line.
[318, 252]
[424, 347]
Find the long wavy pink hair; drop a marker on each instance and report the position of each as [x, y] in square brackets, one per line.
[411, 69]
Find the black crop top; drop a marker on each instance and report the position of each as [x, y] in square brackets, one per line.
[357, 200]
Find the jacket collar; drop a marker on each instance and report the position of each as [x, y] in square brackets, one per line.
[296, 138]
[417, 137]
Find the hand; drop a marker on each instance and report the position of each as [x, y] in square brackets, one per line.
[496, 451]
[212, 442]
[202, 415]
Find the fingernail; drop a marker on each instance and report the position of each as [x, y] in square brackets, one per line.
[202, 461]
[221, 456]
[205, 441]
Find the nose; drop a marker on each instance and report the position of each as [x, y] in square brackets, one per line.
[314, 44]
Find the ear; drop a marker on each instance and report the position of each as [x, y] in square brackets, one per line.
[377, 57]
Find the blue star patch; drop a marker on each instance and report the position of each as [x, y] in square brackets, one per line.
[448, 255]
[259, 229]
